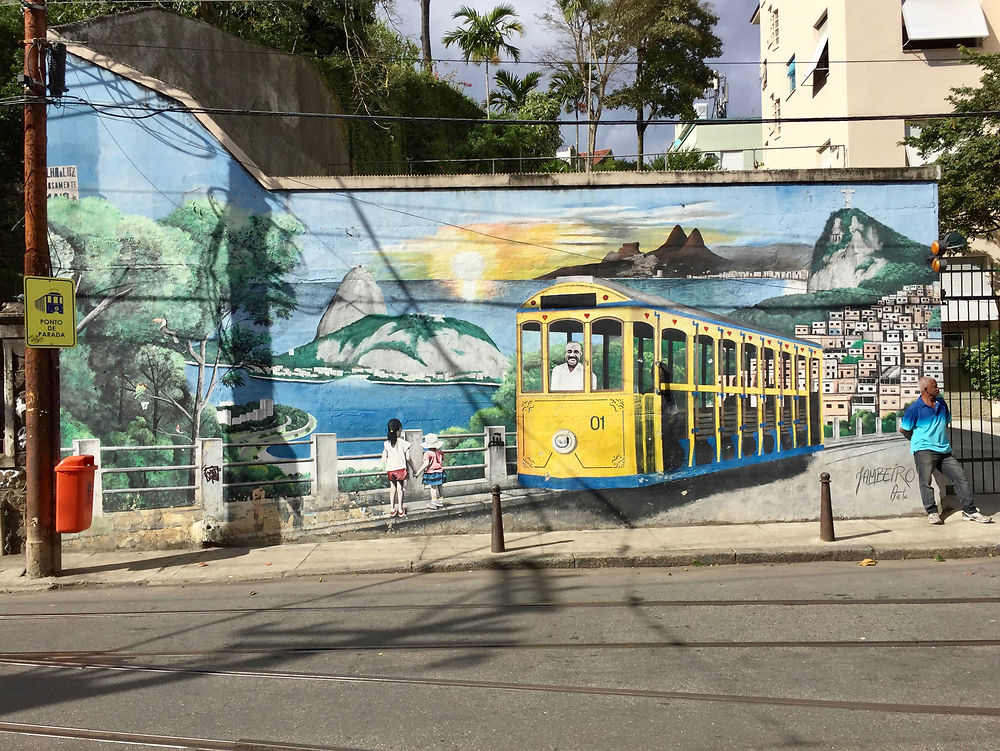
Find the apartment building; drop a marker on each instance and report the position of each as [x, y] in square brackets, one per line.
[837, 58]
[877, 355]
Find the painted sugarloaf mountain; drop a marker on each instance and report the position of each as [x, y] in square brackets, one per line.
[680, 255]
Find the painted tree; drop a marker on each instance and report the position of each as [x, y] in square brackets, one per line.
[671, 39]
[206, 282]
[482, 38]
[218, 313]
[592, 39]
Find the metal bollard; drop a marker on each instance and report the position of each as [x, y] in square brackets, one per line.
[825, 510]
[496, 525]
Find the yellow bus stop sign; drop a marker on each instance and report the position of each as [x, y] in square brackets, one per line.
[49, 312]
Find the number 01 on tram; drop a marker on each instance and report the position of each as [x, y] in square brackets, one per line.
[617, 388]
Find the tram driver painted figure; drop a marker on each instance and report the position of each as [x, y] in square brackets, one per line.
[569, 375]
[924, 423]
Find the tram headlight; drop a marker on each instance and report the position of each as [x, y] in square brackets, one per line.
[564, 441]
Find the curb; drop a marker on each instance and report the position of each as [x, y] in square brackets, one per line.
[502, 562]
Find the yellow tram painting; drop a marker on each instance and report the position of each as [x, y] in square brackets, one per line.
[617, 388]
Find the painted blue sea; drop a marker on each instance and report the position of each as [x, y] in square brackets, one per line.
[355, 407]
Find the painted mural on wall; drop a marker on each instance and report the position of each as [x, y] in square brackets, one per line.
[212, 307]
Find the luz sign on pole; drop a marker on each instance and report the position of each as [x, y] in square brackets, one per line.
[49, 312]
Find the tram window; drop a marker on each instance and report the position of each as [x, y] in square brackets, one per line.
[786, 370]
[769, 368]
[787, 423]
[606, 353]
[814, 374]
[567, 376]
[801, 373]
[801, 422]
[750, 366]
[531, 357]
[674, 353]
[728, 365]
[704, 369]
[644, 354]
[704, 361]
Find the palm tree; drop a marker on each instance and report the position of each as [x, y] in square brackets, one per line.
[483, 37]
[512, 92]
[570, 88]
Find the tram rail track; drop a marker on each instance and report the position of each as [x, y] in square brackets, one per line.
[417, 646]
[156, 741]
[511, 607]
[510, 686]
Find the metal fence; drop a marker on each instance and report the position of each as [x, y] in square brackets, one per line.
[969, 321]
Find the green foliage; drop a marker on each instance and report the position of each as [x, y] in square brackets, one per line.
[199, 283]
[71, 429]
[517, 148]
[686, 160]
[671, 40]
[482, 37]
[512, 92]
[11, 154]
[356, 484]
[138, 433]
[967, 150]
[982, 363]
[307, 27]
[383, 81]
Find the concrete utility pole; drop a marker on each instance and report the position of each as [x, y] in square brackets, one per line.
[41, 380]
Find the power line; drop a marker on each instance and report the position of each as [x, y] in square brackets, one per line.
[147, 111]
[711, 62]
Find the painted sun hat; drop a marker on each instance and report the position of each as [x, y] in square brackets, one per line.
[431, 441]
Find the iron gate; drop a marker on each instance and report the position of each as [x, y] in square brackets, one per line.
[969, 315]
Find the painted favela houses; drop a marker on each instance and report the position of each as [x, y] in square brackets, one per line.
[732, 332]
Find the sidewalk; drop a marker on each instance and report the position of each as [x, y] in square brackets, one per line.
[881, 539]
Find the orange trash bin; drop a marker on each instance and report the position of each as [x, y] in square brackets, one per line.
[75, 493]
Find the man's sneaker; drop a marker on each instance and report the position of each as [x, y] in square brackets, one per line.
[975, 516]
[934, 518]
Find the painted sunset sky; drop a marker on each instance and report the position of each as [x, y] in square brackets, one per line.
[500, 235]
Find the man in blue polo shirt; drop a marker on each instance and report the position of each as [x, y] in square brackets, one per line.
[924, 423]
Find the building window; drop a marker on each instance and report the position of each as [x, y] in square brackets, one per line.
[774, 27]
[775, 115]
[790, 72]
[763, 75]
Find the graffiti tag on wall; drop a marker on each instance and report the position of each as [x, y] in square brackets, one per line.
[898, 476]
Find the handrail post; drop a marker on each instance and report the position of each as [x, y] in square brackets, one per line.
[825, 510]
[496, 524]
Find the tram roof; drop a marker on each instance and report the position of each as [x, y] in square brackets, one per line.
[656, 301]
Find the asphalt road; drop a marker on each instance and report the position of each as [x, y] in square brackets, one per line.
[902, 655]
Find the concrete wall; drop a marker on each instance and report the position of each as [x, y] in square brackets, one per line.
[350, 302]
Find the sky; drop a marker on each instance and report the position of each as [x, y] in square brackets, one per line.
[739, 61]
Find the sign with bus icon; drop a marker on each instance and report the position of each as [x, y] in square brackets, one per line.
[49, 312]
